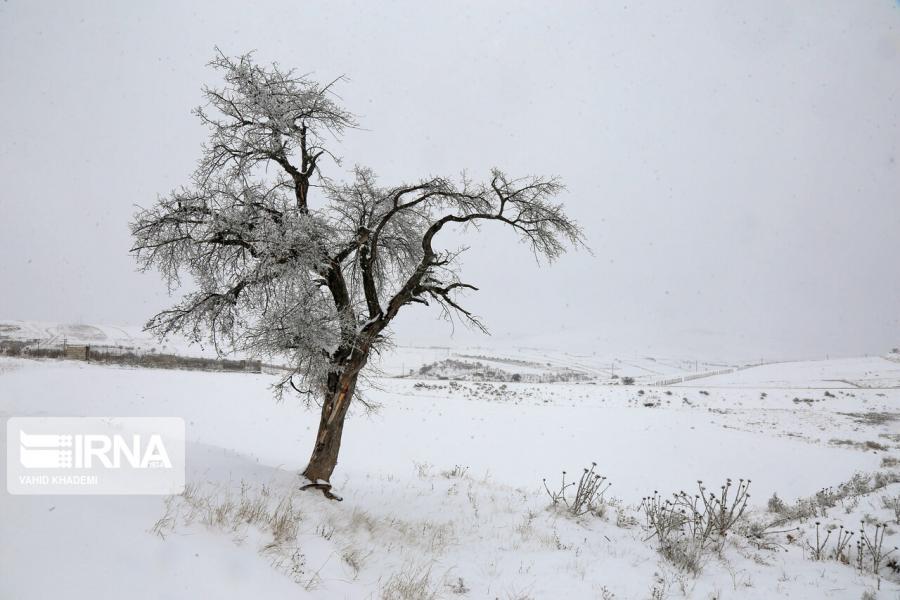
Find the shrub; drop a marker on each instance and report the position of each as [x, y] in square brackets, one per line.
[819, 550]
[870, 549]
[458, 471]
[892, 503]
[776, 505]
[589, 492]
[688, 526]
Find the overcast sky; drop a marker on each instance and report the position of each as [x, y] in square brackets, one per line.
[734, 164]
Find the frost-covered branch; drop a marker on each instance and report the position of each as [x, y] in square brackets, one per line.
[268, 115]
[318, 282]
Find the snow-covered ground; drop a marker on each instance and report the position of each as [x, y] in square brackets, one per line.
[867, 372]
[442, 485]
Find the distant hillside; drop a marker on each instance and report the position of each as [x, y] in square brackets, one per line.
[469, 363]
[44, 334]
[485, 368]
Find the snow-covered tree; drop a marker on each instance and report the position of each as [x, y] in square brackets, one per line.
[289, 262]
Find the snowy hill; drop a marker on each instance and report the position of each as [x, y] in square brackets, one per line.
[473, 363]
[125, 337]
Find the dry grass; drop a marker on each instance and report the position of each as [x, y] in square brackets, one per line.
[221, 509]
[873, 417]
[413, 582]
[890, 462]
[355, 559]
[457, 472]
[868, 445]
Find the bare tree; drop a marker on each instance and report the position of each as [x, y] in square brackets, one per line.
[317, 282]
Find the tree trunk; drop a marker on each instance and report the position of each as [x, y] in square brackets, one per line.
[331, 427]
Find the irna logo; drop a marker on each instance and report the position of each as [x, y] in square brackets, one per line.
[95, 455]
[85, 451]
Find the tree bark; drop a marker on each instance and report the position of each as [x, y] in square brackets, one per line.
[331, 426]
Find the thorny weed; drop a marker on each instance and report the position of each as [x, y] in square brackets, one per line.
[589, 492]
[686, 526]
[871, 548]
[818, 550]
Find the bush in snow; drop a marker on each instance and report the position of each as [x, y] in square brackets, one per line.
[870, 551]
[776, 504]
[687, 526]
[588, 496]
[892, 503]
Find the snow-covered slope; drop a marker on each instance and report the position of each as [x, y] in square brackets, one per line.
[861, 372]
[443, 489]
[539, 363]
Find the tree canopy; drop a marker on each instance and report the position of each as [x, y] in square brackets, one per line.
[289, 261]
